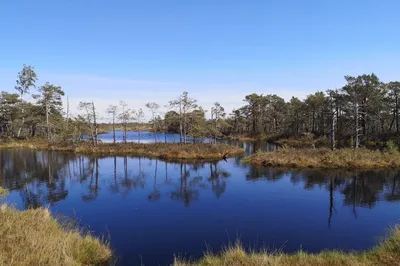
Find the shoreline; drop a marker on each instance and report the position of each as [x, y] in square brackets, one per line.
[35, 237]
[166, 151]
[323, 158]
[386, 252]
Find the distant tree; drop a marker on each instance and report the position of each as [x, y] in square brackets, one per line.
[217, 116]
[394, 94]
[153, 108]
[139, 118]
[125, 116]
[91, 119]
[360, 92]
[26, 79]
[9, 103]
[184, 104]
[50, 98]
[112, 111]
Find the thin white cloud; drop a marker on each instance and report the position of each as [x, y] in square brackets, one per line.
[104, 91]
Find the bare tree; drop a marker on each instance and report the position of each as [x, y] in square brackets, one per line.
[185, 105]
[139, 116]
[153, 108]
[90, 111]
[124, 117]
[112, 110]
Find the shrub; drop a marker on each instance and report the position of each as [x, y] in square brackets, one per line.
[391, 147]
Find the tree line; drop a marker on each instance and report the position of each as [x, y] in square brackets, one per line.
[364, 110]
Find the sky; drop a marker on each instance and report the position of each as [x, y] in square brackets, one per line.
[217, 50]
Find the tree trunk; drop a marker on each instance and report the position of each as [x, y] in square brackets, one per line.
[47, 121]
[184, 127]
[332, 135]
[154, 129]
[114, 128]
[356, 135]
[392, 122]
[124, 134]
[23, 118]
[313, 121]
[180, 123]
[397, 114]
[94, 124]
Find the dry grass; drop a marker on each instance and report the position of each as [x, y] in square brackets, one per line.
[3, 192]
[386, 253]
[325, 158]
[157, 150]
[33, 237]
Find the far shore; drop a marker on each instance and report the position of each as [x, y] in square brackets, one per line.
[167, 151]
[325, 158]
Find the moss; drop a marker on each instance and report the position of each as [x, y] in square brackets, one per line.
[386, 253]
[34, 237]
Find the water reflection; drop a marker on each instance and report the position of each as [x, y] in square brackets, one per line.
[41, 178]
[144, 203]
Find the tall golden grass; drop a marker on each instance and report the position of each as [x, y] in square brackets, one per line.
[386, 253]
[34, 237]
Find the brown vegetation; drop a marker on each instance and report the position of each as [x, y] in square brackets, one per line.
[386, 253]
[157, 150]
[325, 158]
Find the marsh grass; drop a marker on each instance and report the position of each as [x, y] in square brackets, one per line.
[3, 192]
[195, 151]
[325, 158]
[34, 237]
[385, 253]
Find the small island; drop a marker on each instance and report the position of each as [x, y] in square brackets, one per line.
[326, 158]
[167, 151]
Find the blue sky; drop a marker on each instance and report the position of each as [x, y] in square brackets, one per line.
[141, 51]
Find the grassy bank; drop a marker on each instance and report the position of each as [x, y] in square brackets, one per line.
[325, 158]
[33, 237]
[157, 150]
[386, 253]
[3, 192]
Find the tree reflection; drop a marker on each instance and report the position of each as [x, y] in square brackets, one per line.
[394, 189]
[155, 194]
[45, 178]
[217, 178]
[359, 189]
[187, 192]
[93, 189]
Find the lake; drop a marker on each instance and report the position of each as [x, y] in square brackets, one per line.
[151, 210]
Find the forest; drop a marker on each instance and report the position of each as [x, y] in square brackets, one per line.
[362, 113]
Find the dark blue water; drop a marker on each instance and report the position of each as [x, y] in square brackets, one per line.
[150, 137]
[152, 210]
[142, 136]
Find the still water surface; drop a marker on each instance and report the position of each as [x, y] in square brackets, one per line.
[152, 210]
